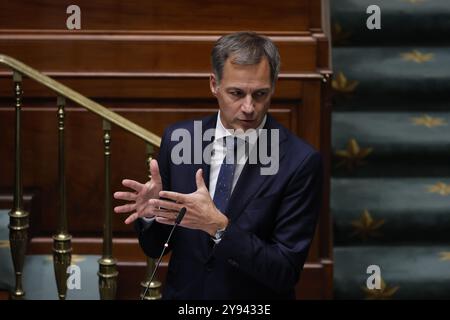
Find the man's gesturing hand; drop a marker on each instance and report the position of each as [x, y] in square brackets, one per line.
[201, 212]
[143, 193]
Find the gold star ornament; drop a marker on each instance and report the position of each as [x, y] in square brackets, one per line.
[417, 56]
[384, 293]
[440, 188]
[339, 36]
[414, 1]
[366, 227]
[353, 155]
[428, 121]
[445, 255]
[343, 85]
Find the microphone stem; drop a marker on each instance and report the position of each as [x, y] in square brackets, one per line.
[159, 261]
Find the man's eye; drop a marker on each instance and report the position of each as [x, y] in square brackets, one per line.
[260, 94]
[236, 93]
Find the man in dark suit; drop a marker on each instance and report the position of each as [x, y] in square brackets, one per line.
[249, 222]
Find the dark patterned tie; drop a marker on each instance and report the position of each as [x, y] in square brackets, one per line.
[225, 179]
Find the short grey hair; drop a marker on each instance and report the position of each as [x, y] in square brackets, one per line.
[245, 48]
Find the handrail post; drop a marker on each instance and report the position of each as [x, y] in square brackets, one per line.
[18, 218]
[154, 291]
[107, 264]
[154, 288]
[62, 246]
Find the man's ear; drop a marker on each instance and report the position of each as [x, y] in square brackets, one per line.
[213, 83]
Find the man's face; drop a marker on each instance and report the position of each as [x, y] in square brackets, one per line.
[243, 94]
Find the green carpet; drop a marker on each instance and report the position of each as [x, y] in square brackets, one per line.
[409, 272]
[390, 188]
[410, 212]
[394, 133]
[402, 143]
[402, 22]
[391, 78]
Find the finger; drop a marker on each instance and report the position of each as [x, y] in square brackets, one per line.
[131, 218]
[165, 204]
[140, 214]
[175, 196]
[199, 179]
[150, 211]
[165, 220]
[154, 171]
[125, 208]
[166, 214]
[133, 185]
[125, 196]
[147, 211]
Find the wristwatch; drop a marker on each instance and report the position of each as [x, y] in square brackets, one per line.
[218, 235]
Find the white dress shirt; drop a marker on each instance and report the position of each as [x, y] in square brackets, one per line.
[218, 153]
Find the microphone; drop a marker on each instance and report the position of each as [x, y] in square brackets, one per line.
[180, 217]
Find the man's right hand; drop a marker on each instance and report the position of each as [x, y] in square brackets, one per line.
[139, 200]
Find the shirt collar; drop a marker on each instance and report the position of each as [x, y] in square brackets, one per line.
[221, 131]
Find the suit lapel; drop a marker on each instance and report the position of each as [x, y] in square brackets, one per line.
[208, 124]
[251, 179]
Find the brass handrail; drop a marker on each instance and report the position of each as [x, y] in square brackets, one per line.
[78, 98]
[19, 222]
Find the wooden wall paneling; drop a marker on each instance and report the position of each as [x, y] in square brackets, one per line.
[143, 15]
[326, 227]
[315, 15]
[323, 51]
[144, 53]
[125, 249]
[309, 117]
[149, 61]
[139, 88]
[309, 129]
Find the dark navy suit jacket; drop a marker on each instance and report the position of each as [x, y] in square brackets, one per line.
[272, 222]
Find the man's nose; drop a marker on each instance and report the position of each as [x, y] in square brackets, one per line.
[247, 104]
